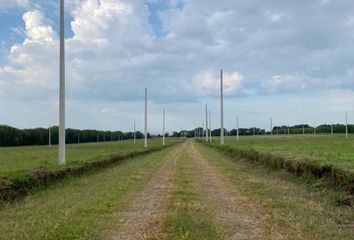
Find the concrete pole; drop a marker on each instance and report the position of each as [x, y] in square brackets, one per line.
[346, 125]
[210, 137]
[332, 129]
[271, 126]
[206, 124]
[145, 128]
[237, 131]
[61, 153]
[222, 140]
[49, 136]
[203, 131]
[303, 129]
[163, 128]
[134, 133]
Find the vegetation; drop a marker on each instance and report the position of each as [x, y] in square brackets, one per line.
[79, 208]
[10, 136]
[325, 150]
[188, 217]
[297, 208]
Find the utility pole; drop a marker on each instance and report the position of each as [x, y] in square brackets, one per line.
[346, 125]
[49, 136]
[303, 129]
[61, 154]
[210, 138]
[202, 131]
[222, 140]
[332, 129]
[237, 131]
[206, 124]
[134, 133]
[163, 128]
[271, 126]
[145, 141]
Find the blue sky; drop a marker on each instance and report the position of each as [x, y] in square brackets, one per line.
[293, 61]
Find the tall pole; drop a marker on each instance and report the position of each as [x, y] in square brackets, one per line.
[237, 133]
[206, 124]
[145, 129]
[134, 133]
[271, 126]
[346, 125]
[222, 140]
[203, 131]
[303, 129]
[210, 138]
[49, 136]
[61, 154]
[163, 128]
[332, 129]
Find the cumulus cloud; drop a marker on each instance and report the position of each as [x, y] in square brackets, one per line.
[114, 52]
[207, 83]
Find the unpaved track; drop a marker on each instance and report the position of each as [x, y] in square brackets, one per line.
[235, 215]
[144, 219]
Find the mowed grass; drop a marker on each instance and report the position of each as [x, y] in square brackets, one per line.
[188, 216]
[324, 149]
[297, 208]
[85, 207]
[14, 161]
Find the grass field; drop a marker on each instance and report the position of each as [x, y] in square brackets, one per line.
[14, 161]
[323, 149]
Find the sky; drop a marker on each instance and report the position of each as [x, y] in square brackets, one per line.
[289, 60]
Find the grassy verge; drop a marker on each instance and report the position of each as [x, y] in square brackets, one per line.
[15, 187]
[334, 176]
[79, 208]
[299, 208]
[17, 161]
[188, 217]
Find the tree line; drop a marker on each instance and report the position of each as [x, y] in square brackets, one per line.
[10, 136]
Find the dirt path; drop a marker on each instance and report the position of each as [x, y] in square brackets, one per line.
[236, 216]
[144, 219]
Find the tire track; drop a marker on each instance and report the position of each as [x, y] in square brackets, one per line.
[145, 217]
[236, 216]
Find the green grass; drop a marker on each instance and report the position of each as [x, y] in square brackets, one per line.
[334, 150]
[15, 161]
[188, 216]
[84, 207]
[296, 208]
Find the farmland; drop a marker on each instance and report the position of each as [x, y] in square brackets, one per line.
[322, 149]
[187, 191]
[15, 161]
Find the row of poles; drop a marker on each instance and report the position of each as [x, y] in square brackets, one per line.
[62, 148]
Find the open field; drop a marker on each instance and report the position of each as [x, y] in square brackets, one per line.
[189, 191]
[322, 149]
[15, 161]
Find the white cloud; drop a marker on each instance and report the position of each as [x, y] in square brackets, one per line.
[207, 83]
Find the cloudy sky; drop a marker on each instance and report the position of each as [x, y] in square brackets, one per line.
[292, 60]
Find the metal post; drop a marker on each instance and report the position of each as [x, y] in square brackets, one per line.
[163, 130]
[61, 154]
[222, 140]
[145, 128]
[206, 124]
